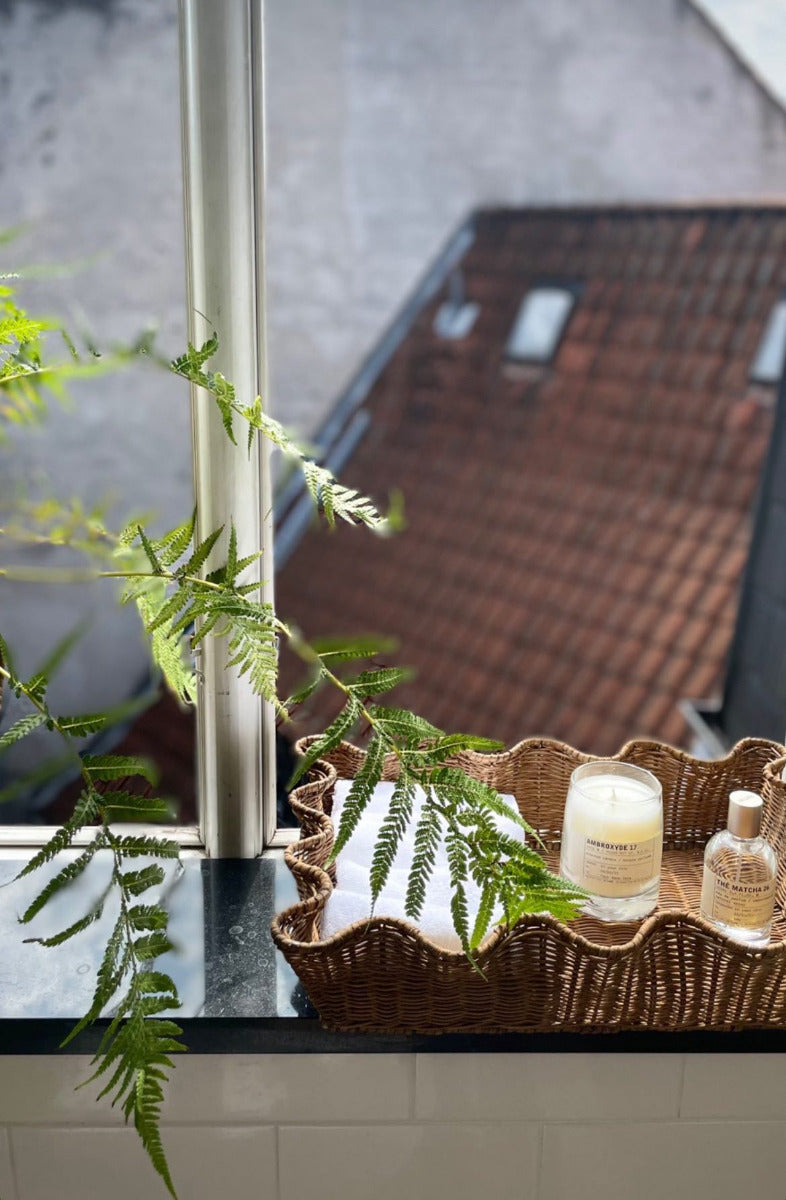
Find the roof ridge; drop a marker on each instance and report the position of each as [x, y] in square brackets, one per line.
[688, 207]
[738, 55]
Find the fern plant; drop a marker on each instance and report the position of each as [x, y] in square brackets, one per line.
[181, 602]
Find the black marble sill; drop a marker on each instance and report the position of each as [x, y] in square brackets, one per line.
[239, 996]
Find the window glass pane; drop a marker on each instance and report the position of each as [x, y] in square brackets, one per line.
[539, 324]
[578, 527]
[90, 172]
[768, 363]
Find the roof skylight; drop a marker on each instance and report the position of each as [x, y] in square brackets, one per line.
[770, 357]
[539, 324]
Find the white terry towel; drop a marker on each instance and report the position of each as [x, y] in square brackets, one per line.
[377, 808]
[345, 908]
[351, 899]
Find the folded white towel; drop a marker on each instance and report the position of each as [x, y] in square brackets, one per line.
[351, 899]
[345, 908]
[376, 810]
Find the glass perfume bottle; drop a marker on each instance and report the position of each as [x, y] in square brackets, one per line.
[740, 874]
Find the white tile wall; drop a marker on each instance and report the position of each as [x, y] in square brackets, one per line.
[293, 1087]
[108, 1164]
[747, 1086]
[416, 1162]
[7, 1187]
[36, 1088]
[357, 1127]
[524, 1087]
[651, 1161]
[244, 1087]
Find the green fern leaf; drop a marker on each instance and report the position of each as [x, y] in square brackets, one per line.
[224, 396]
[391, 832]
[135, 847]
[428, 837]
[152, 557]
[20, 729]
[402, 726]
[127, 806]
[360, 793]
[375, 682]
[106, 767]
[173, 545]
[202, 553]
[109, 976]
[85, 810]
[84, 724]
[458, 868]
[329, 739]
[134, 883]
[151, 945]
[90, 918]
[345, 648]
[68, 874]
[488, 900]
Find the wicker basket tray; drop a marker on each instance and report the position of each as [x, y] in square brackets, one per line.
[671, 971]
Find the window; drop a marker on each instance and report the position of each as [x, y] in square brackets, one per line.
[769, 361]
[539, 325]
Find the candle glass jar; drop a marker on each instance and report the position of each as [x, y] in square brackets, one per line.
[612, 839]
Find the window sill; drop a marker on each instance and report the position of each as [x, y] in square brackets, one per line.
[239, 996]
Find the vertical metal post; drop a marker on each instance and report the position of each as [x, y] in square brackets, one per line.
[222, 102]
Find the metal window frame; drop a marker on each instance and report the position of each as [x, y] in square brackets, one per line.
[222, 97]
[223, 146]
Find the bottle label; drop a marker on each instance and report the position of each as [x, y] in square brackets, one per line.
[746, 905]
[614, 868]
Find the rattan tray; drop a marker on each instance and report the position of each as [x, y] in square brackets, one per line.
[672, 971]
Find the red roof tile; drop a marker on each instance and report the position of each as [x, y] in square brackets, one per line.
[576, 534]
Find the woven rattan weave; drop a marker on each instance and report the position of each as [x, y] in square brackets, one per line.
[671, 971]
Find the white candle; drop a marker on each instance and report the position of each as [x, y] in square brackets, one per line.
[612, 838]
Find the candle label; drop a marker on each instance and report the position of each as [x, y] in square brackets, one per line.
[615, 868]
[746, 905]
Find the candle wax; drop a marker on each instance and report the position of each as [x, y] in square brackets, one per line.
[613, 835]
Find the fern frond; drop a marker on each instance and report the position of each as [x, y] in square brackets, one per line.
[85, 810]
[458, 866]
[378, 680]
[94, 914]
[20, 729]
[66, 875]
[428, 836]
[128, 806]
[201, 553]
[361, 791]
[328, 740]
[107, 767]
[391, 832]
[488, 901]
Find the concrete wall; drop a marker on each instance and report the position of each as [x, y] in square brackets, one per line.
[388, 122]
[349, 1127]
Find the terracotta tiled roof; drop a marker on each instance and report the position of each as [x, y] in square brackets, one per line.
[577, 533]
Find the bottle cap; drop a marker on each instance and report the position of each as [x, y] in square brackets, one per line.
[745, 809]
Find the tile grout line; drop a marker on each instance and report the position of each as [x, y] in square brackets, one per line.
[539, 1162]
[277, 1152]
[318, 1121]
[9, 1141]
[681, 1091]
